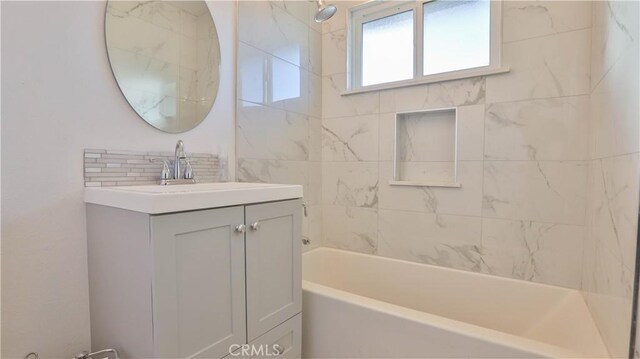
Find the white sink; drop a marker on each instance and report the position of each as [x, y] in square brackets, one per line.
[177, 198]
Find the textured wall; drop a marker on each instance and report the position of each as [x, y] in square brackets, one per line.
[58, 98]
[520, 212]
[279, 99]
[614, 142]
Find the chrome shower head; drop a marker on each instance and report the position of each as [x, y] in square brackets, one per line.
[325, 12]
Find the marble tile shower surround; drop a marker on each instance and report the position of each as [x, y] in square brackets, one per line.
[614, 170]
[548, 153]
[135, 168]
[523, 155]
[279, 100]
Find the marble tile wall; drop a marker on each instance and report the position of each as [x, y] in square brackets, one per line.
[523, 155]
[613, 168]
[548, 153]
[280, 100]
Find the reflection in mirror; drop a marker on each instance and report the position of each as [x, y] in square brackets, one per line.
[285, 82]
[269, 80]
[165, 57]
[252, 80]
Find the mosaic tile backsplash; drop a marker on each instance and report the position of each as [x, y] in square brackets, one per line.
[104, 168]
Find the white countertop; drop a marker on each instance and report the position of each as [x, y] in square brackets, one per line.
[158, 199]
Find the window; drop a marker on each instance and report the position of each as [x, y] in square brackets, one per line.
[387, 49]
[422, 41]
[456, 35]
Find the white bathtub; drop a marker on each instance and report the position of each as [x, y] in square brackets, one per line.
[364, 306]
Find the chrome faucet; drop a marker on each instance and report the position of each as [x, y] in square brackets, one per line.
[177, 159]
[178, 177]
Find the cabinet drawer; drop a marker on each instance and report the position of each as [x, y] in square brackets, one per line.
[285, 339]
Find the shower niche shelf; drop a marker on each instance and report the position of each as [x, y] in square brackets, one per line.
[426, 148]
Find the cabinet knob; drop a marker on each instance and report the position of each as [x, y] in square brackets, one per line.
[241, 228]
[255, 225]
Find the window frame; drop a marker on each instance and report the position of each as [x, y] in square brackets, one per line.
[377, 9]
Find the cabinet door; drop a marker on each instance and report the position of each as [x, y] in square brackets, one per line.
[273, 256]
[198, 283]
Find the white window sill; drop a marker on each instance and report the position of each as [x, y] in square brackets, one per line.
[449, 76]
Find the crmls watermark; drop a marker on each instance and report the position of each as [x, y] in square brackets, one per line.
[252, 350]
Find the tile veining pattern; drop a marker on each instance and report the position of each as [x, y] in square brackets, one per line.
[279, 100]
[523, 139]
[614, 175]
[134, 168]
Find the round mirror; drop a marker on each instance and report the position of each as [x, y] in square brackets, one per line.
[165, 57]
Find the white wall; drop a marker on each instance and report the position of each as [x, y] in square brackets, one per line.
[59, 97]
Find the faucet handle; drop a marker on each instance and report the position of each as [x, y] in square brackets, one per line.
[188, 171]
[166, 170]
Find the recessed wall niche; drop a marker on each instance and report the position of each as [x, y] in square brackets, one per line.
[426, 148]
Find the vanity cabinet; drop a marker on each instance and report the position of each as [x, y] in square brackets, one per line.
[196, 283]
